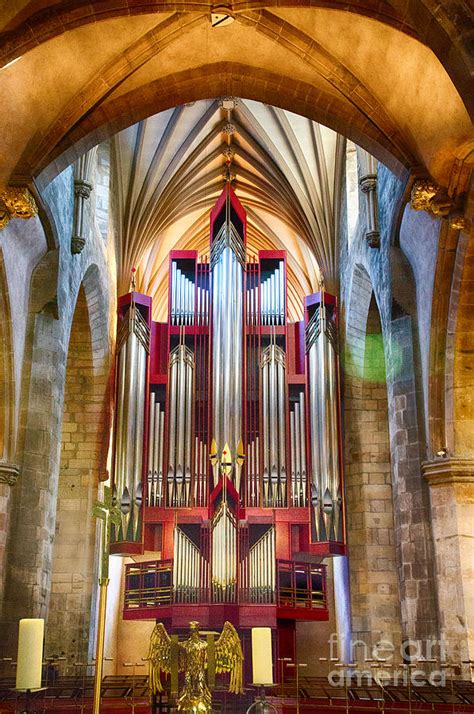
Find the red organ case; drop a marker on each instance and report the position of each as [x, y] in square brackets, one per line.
[227, 443]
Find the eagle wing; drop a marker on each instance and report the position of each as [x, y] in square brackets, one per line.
[229, 657]
[159, 657]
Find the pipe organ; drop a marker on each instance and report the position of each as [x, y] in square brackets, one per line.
[227, 449]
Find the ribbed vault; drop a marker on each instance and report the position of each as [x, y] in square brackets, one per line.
[170, 168]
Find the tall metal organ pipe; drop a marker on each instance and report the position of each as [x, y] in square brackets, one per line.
[227, 338]
[133, 344]
[274, 425]
[326, 489]
[181, 368]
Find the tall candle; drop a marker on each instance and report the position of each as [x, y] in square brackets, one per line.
[262, 664]
[30, 654]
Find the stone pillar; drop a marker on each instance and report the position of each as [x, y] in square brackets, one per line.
[8, 478]
[83, 169]
[413, 536]
[451, 484]
[32, 528]
[368, 185]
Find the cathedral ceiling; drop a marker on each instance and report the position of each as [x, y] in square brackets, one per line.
[393, 76]
[170, 169]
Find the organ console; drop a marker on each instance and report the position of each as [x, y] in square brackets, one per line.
[227, 441]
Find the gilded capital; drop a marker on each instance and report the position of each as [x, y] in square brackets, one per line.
[426, 195]
[9, 473]
[16, 202]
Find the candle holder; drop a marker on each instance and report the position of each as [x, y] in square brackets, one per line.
[28, 693]
[261, 704]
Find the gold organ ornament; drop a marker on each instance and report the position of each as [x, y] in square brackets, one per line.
[194, 656]
[16, 202]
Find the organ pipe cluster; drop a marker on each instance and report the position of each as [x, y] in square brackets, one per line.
[272, 297]
[227, 340]
[188, 567]
[326, 486]
[133, 342]
[262, 570]
[273, 424]
[235, 412]
[298, 452]
[181, 371]
[156, 426]
[189, 302]
[224, 554]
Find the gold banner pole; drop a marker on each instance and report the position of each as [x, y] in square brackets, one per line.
[99, 653]
[107, 512]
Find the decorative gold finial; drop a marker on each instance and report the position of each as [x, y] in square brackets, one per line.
[133, 284]
[16, 202]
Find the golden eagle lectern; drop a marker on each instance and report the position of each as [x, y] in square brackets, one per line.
[192, 656]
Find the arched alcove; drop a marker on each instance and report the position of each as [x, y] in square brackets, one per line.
[84, 440]
[370, 517]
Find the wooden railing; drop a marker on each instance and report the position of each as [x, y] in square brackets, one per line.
[298, 585]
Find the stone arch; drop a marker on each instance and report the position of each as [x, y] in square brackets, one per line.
[58, 150]
[435, 24]
[84, 442]
[370, 515]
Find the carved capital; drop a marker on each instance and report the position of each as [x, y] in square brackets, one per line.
[82, 188]
[442, 471]
[9, 473]
[16, 202]
[373, 239]
[368, 183]
[77, 244]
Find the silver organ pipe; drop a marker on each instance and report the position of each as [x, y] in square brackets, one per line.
[224, 558]
[282, 294]
[174, 285]
[180, 426]
[227, 341]
[274, 426]
[155, 452]
[298, 452]
[187, 568]
[183, 294]
[261, 559]
[326, 497]
[272, 298]
[133, 343]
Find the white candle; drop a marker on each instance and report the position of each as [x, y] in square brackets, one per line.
[262, 655]
[30, 654]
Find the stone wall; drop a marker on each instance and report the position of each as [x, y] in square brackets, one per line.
[372, 555]
[55, 285]
[73, 572]
[393, 405]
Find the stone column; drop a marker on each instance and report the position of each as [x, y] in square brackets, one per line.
[83, 169]
[368, 186]
[451, 484]
[8, 478]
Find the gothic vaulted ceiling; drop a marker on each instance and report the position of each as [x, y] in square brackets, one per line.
[393, 75]
[170, 169]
